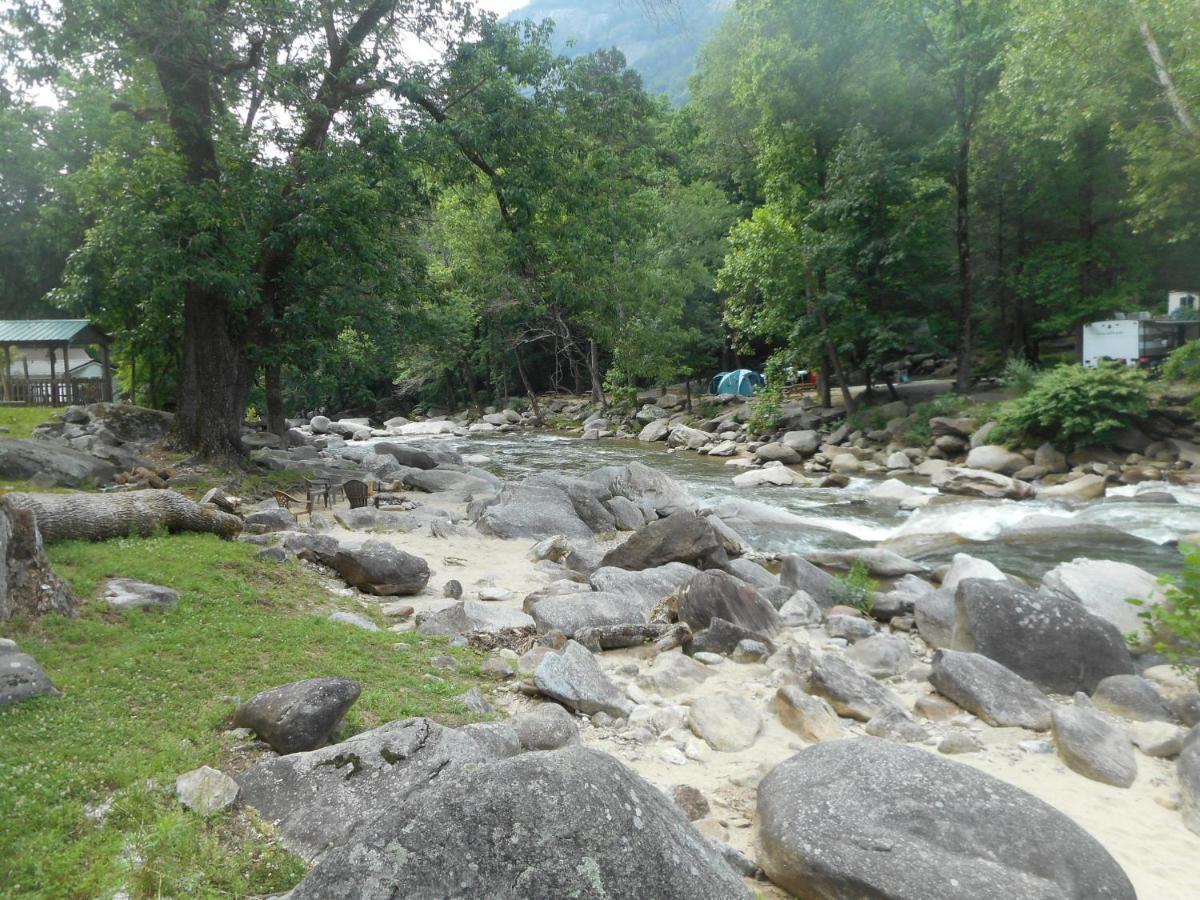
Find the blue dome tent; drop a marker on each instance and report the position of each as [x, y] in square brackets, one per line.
[739, 381]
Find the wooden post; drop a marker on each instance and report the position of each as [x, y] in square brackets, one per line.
[106, 385]
[8, 373]
[53, 377]
[28, 385]
[69, 382]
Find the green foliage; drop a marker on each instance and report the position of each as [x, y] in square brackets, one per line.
[1076, 406]
[1184, 363]
[767, 405]
[19, 421]
[856, 588]
[1019, 375]
[147, 696]
[1175, 623]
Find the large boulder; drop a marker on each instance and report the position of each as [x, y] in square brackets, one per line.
[51, 464]
[981, 483]
[1131, 697]
[1093, 746]
[573, 678]
[1083, 488]
[1188, 769]
[648, 585]
[298, 716]
[994, 458]
[657, 430]
[718, 595]
[569, 613]
[810, 717]
[535, 509]
[779, 452]
[725, 721]
[568, 823]
[993, 693]
[1105, 588]
[467, 616]
[379, 568]
[21, 678]
[798, 574]
[851, 692]
[318, 799]
[964, 566]
[869, 818]
[410, 457]
[688, 437]
[682, 537]
[125, 594]
[435, 480]
[548, 727]
[28, 585]
[1055, 643]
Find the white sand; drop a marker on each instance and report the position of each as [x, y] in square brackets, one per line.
[1160, 856]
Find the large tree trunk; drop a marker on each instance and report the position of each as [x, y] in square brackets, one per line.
[28, 586]
[273, 381]
[594, 366]
[100, 517]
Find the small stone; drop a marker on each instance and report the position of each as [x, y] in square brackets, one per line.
[896, 725]
[935, 708]
[443, 662]
[709, 659]
[494, 667]
[673, 756]
[496, 594]
[349, 618]
[725, 721]
[691, 801]
[452, 589]
[206, 790]
[810, 717]
[750, 651]
[1036, 747]
[475, 702]
[959, 742]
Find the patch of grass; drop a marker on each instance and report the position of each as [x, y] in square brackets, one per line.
[249, 486]
[21, 420]
[147, 696]
[856, 588]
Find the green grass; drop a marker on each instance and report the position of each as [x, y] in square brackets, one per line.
[149, 696]
[21, 420]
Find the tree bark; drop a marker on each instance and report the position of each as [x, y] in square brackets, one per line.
[533, 400]
[1183, 114]
[100, 517]
[273, 382]
[594, 366]
[28, 586]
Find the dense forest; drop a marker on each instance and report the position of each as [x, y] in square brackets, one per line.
[336, 204]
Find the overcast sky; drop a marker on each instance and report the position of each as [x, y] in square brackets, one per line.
[503, 6]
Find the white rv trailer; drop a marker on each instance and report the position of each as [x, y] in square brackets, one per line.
[1140, 341]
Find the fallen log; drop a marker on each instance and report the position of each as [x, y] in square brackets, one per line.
[99, 517]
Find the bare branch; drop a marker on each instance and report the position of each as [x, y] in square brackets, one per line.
[141, 114]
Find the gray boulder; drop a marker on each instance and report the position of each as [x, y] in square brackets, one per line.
[896, 725]
[798, 610]
[644, 485]
[1093, 746]
[651, 586]
[800, 575]
[548, 727]
[124, 594]
[436, 480]
[882, 655]
[711, 595]
[673, 673]
[1131, 697]
[409, 457]
[851, 628]
[298, 716]
[499, 740]
[725, 721]
[467, 616]
[995, 458]
[21, 678]
[379, 568]
[51, 464]
[570, 613]
[981, 483]
[627, 515]
[867, 818]
[319, 799]
[272, 518]
[935, 615]
[573, 677]
[810, 717]
[779, 452]
[1105, 588]
[1188, 770]
[533, 509]
[964, 566]
[569, 823]
[1053, 642]
[682, 537]
[883, 563]
[850, 692]
[988, 690]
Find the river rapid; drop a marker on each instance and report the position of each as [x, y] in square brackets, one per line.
[1136, 524]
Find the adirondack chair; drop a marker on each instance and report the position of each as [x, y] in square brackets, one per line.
[356, 493]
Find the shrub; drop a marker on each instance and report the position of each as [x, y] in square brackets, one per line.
[856, 588]
[767, 405]
[1020, 375]
[1176, 623]
[1075, 407]
[1184, 363]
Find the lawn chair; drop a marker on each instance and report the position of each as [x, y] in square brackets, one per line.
[356, 493]
[284, 499]
[320, 489]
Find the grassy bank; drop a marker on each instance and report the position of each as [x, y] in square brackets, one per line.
[19, 421]
[86, 779]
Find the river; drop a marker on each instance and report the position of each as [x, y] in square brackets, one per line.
[1135, 524]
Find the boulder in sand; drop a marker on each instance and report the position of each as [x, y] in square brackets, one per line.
[850, 691]
[573, 677]
[990, 691]
[718, 595]
[725, 721]
[810, 717]
[1093, 746]
[870, 818]
[379, 568]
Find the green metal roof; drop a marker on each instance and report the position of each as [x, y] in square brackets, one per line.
[44, 331]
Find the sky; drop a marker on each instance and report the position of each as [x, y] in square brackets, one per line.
[502, 7]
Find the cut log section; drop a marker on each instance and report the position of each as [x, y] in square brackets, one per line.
[99, 517]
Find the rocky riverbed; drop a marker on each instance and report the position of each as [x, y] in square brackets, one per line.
[974, 723]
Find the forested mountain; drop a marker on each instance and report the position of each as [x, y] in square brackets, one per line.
[660, 42]
[279, 206]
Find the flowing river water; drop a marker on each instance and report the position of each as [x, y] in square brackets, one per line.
[1136, 524]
